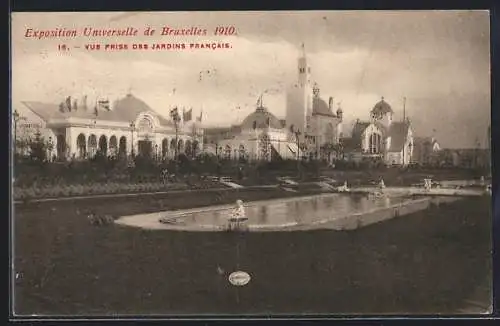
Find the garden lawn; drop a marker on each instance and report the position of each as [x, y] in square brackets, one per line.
[427, 262]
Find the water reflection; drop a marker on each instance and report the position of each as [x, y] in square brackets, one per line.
[298, 210]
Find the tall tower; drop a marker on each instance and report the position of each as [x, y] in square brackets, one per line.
[304, 69]
[300, 95]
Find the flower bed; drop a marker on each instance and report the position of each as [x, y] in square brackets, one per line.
[34, 192]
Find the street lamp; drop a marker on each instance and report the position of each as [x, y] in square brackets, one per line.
[132, 127]
[50, 146]
[296, 132]
[176, 118]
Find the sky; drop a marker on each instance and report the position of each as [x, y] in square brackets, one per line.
[438, 60]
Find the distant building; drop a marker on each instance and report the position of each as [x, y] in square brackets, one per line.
[426, 151]
[127, 126]
[467, 158]
[261, 136]
[310, 128]
[306, 112]
[381, 138]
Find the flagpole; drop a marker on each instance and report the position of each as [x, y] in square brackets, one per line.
[404, 122]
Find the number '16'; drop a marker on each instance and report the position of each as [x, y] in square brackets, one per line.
[225, 30]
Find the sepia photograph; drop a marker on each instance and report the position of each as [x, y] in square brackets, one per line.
[250, 163]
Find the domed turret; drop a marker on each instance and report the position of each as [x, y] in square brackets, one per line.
[261, 118]
[382, 112]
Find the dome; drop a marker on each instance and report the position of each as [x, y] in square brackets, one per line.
[130, 106]
[127, 109]
[262, 118]
[382, 107]
[321, 108]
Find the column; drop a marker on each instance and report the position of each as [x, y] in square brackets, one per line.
[69, 144]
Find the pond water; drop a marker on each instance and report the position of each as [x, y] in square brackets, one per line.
[270, 213]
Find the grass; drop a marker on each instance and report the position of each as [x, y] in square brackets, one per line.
[427, 262]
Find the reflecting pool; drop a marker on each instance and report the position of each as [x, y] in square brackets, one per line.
[267, 214]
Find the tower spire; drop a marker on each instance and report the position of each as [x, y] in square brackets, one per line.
[304, 69]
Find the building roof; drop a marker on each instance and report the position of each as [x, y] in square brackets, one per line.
[262, 118]
[46, 111]
[398, 132]
[124, 110]
[321, 108]
[359, 128]
[382, 107]
[353, 143]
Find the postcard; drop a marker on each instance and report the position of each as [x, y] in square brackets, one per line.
[255, 163]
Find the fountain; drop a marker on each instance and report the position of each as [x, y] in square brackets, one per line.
[427, 184]
[238, 218]
[343, 188]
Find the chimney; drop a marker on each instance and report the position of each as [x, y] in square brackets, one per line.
[330, 103]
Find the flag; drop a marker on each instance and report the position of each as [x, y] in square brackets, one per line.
[187, 115]
[68, 103]
[174, 114]
[200, 117]
[84, 102]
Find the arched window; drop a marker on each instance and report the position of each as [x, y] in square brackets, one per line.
[122, 149]
[61, 146]
[375, 146]
[227, 152]
[188, 149]
[145, 125]
[103, 145]
[242, 151]
[164, 147]
[113, 146]
[195, 148]
[180, 146]
[172, 145]
[81, 144]
[92, 145]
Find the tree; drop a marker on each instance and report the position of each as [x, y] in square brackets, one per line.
[336, 149]
[265, 146]
[38, 148]
[17, 118]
